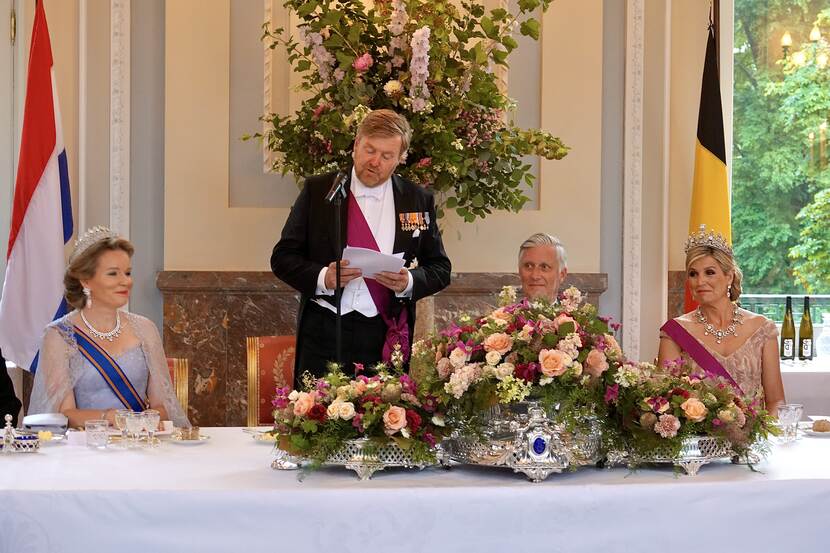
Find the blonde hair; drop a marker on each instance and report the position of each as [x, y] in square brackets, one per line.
[386, 123]
[724, 260]
[83, 267]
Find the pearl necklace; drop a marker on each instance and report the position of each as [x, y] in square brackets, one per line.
[109, 336]
[731, 330]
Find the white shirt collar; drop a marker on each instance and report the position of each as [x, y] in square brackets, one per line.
[361, 190]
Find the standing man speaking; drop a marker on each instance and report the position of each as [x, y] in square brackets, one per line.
[382, 211]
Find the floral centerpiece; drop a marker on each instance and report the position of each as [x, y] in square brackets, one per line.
[561, 354]
[656, 409]
[432, 60]
[316, 422]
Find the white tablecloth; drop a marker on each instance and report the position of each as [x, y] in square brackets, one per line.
[222, 496]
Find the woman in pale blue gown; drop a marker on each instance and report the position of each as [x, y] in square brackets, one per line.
[98, 358]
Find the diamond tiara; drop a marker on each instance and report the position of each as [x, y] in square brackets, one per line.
[91, 237]
[709, 239]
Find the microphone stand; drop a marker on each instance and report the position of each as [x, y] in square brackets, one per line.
[338, 291]
[335, 197]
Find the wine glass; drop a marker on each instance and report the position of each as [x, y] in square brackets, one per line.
[151, 424]
[135, 424]
[121, 424]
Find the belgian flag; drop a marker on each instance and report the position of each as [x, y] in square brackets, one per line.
[710, 186]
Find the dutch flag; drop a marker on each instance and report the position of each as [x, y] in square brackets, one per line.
[41, 215]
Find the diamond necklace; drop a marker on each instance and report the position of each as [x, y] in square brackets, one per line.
[709, 328]
[109, 336]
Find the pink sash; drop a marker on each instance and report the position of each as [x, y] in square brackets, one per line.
[698, 352]
[358, 234]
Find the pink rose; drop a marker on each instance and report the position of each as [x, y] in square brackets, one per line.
[553, 362]
[499, 342]
[363, 63]
[394, 419]
[303, 403]
[595, 363]
[444, 368]
[562, 319]
[424, 162]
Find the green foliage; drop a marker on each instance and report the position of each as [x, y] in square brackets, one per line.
[465, 145]
[777, 104]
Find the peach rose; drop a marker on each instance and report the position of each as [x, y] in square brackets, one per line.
[694, 409]
[499, 342]
[359, 387]
[500, 315]
[346, 410]
[333, 410]
[458, 358]
[492, 358]
[394, 419]
[553, 362]
[303, 403]
[595, 363]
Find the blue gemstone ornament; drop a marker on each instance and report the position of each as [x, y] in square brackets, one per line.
[539, 446]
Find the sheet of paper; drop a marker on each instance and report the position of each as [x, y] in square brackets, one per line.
[372, 262]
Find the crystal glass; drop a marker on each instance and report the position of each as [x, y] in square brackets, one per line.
[151, 424]
[121, 424]
[97, 432]
[788, 417]
[135, 425]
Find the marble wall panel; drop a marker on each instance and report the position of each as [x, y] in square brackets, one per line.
[677, 293]
[208, 316]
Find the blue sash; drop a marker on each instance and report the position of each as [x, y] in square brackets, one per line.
[110, 372]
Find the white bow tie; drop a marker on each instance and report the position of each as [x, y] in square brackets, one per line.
[366, 192]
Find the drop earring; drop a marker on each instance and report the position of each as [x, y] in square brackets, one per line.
[88, 294]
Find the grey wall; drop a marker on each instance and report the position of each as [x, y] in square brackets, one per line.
[611, 202]
[147, 154]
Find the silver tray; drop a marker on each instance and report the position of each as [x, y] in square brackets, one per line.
[532, 444]
[695, 452]
[365, 461]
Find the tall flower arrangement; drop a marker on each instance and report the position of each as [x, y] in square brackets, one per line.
[432, 60]
[563, 355]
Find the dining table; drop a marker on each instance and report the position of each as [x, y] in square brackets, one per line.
[221, 494]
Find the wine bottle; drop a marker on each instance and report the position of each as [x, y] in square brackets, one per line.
[788, 332]
[805, 333]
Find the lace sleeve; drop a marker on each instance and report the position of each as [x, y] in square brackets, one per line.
[55, 377]
[770, 331]
[158, 384]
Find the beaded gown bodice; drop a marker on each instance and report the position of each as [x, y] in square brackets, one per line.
[745, 363]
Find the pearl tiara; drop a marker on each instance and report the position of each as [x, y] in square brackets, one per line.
[709, 239]
[90, 238]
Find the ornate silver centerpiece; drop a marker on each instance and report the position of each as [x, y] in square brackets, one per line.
[696, 451]
[531, 443]
[365, 457]
[18, 442]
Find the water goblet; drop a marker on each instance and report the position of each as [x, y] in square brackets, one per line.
[97, 433]
[151, 424]
[135, 425]
[788, 417]
[121, 424]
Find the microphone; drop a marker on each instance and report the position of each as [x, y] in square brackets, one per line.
[339, 186]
